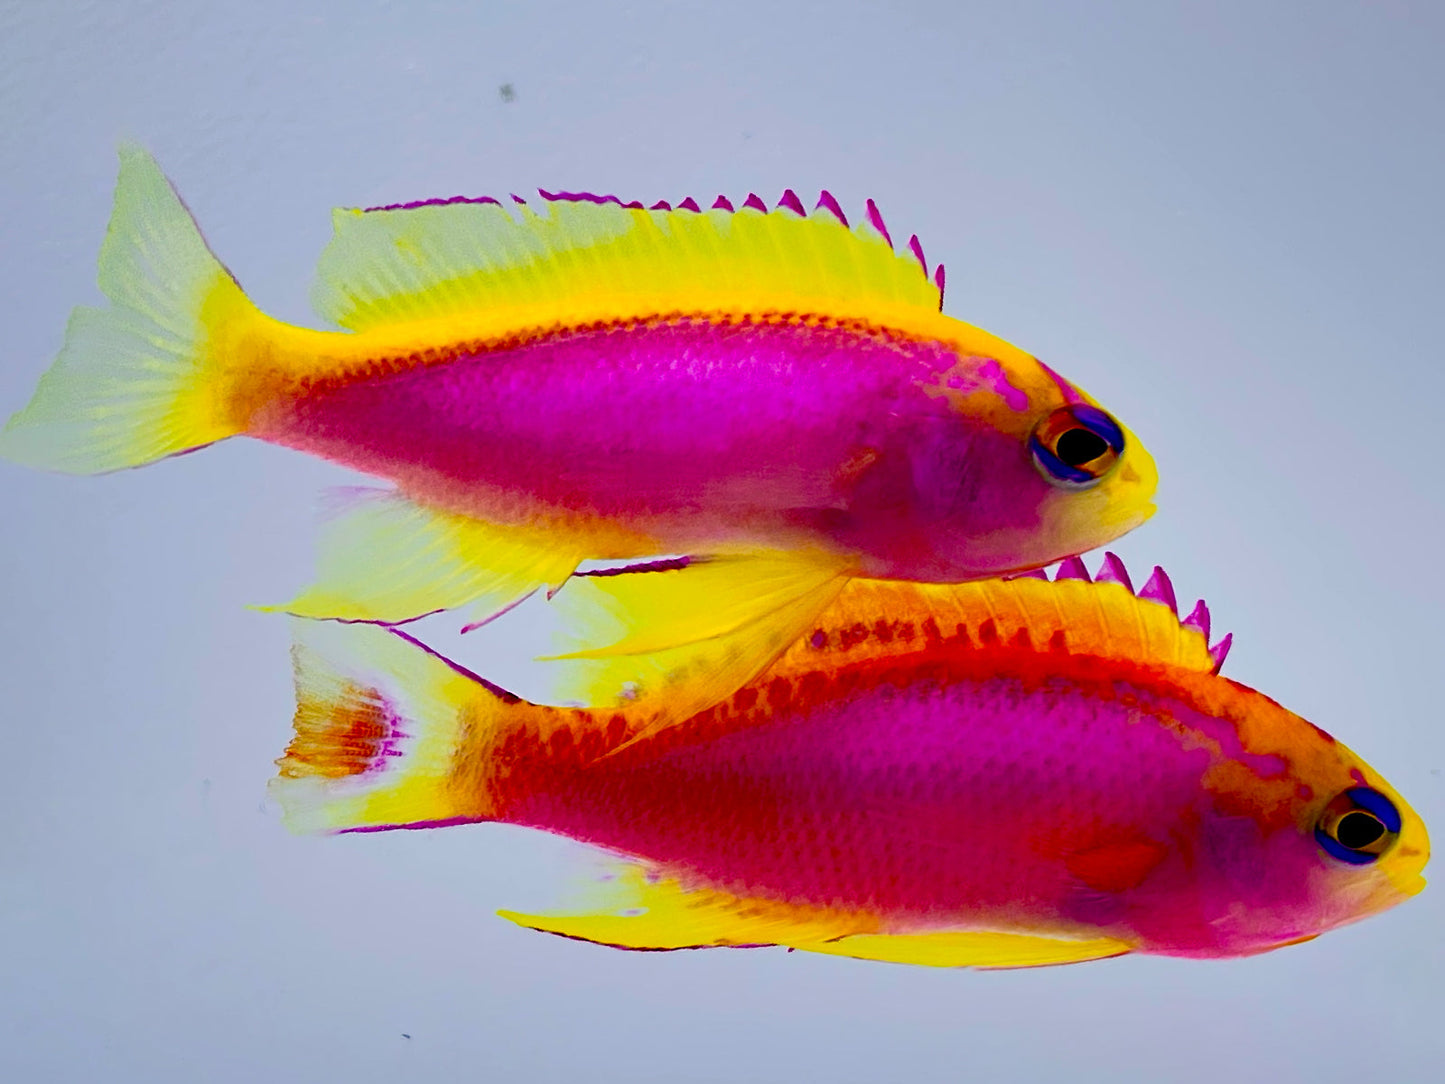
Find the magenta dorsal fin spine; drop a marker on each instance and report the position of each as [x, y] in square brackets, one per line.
[790, 200]
[722, 203]
[916, 247]
[518, 199]
[661, 205]
[437, 202]
[1072, 568]
[1113, 571]
[1220, 651]
[829, 204]
[1198, 619]
[755, 203]
[938, 280]
[876, 221]
[577, 197]
[1159, 589]
[689, 204]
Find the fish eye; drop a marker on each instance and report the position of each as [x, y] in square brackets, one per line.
[1358, 826]
[1076, 445]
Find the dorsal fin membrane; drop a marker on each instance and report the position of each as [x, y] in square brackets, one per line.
[1103, 619]
[587, 257]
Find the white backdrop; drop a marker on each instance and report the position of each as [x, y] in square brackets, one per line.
[1224, 220]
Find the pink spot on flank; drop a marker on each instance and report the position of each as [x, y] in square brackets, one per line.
[992, 373]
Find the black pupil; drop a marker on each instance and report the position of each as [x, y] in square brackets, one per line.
[1357, 830]
[1079, 446]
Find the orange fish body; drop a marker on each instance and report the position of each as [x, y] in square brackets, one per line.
[998, 774]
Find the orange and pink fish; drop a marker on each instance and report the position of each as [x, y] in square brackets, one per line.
[773, 392]
[997, 774]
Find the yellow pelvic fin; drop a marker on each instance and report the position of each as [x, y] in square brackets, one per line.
[152, 374]
[647, 910]
[885, 618]
[675, 642]
[579, 259]
[385, 558]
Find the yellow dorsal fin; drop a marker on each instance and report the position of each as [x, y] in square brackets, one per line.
[1103, 619]
[585, 258]
[647, 910]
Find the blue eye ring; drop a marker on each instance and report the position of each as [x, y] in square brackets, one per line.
[1076, 446]
[1358, 826]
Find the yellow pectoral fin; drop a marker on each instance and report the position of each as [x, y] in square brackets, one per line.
[682, 640]
[645, 913]
[385, 558]
[969, 949]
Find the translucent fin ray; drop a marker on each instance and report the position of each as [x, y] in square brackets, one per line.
[146, 377]
[387, 559]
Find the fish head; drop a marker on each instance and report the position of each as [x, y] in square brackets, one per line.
[1015, 478]
[1296, 836]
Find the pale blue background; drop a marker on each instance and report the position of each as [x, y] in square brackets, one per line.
[1222, 219]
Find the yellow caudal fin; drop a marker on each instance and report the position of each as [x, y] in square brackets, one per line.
[676, 641]
[647, 910]
[382, 729]
[384, 558]
[146, 377]
[584, 258]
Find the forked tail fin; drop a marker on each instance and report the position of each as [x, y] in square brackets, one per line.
[388, 734]
[146, 377]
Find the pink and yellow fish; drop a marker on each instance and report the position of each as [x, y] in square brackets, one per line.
[597, 380]
[998, 774]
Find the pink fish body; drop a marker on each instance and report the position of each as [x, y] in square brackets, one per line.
[596, 381]
[996, 774]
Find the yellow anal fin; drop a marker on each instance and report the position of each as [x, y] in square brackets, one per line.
[645, 911]
[648, 911]
[681, 640]
[387, 559]
[970, 948]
